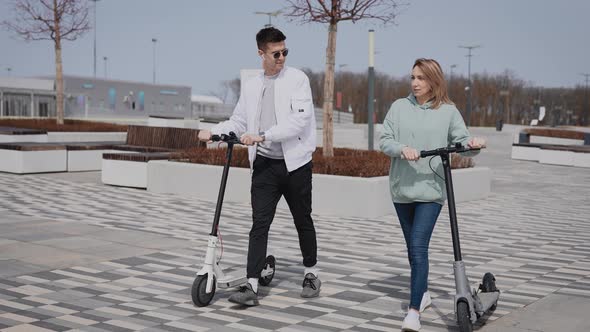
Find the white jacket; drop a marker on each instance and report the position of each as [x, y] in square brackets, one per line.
[295, 128]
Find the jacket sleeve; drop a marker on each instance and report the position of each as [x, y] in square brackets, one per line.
[388, 143]
[236, 123]
[458, 132]
[299, 117]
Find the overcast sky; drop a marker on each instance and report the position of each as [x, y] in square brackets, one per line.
[204, 42]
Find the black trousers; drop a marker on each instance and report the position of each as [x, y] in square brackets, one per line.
[270, 181]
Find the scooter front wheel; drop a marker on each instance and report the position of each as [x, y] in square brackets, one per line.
[269, 263]
[463, 317]
[199, 291]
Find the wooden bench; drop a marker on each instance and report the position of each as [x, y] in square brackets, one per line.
[20, 131]
[565, 155]
[554, 136]
[554, 154]
[24, 158]
[147, 143]
[33, 157]
[557, 146]
[10, 134]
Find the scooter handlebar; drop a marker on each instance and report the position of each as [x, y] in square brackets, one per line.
[448, 150]
[227, 138]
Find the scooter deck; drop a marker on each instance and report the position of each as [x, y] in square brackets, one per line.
[231, 281]
[486, 301]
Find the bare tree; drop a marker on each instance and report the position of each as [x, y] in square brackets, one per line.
[228, 91]
[50, 20]
[233, 87]
[332, 12]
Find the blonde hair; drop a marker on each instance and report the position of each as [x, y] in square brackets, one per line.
[436, 79]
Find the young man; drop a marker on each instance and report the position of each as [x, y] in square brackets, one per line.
[275, 118]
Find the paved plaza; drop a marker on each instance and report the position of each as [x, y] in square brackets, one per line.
[76, 255]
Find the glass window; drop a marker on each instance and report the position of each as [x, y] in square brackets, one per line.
[112, 98]
[17, 105]
[141, 100]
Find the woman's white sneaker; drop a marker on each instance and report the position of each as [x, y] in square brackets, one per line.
[426, 301]
[412, 321]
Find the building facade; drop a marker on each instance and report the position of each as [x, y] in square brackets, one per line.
[27, 97]
[93, 98]
[101, 98]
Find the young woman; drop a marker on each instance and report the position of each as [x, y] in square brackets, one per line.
[425, 120]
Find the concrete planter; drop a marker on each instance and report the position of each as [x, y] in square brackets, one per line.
[124, 173]
[37, 138]
[556, 157]
[582, 159]
[155, 121]
[86, 160]
[332, 195]
[58, 137]
[25, 162]
[70, 137]
[525, 152]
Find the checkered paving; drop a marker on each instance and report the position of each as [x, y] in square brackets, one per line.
[531, 233]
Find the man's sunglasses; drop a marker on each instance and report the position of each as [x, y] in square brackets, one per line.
[277, 54]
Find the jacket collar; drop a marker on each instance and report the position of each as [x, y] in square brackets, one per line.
[414, 101]
[280, 74]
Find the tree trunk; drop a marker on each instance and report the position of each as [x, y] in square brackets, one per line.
[59, 82]
[328, 128]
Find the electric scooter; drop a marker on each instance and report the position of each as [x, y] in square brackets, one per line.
[469, 305]
[211, 274]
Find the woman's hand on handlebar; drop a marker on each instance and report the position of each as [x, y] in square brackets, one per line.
[409, 153]
[250, 139]
[476, 143]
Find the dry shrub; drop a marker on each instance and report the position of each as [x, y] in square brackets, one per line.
[202, 155]
[69, 125]
[350, 162]
[346, 162]
[459, 161]
[557, 133]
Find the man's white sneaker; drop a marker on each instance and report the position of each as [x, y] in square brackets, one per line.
[412, 321]
[426, 301]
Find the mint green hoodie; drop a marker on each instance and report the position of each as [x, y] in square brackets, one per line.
[420, 127]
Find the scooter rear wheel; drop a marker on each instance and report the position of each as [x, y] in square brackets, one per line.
[269, 263]
[463, 317]
[199, 291]
[488, 284]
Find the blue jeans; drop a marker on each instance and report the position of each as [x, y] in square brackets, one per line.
[417, 221]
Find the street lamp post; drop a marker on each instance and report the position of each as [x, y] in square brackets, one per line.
[94, 51]
[269, 14]
[587, 110]
[105, 66]
[154, 41]
[339, 99]
[451, 79]
[371, 77]
[469, 89]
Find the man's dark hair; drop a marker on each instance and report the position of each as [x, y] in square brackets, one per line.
[269, 35]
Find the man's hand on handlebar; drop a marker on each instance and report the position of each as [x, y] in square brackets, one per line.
[476, 143]
[205, 135]
[250, 139]
[409, 153]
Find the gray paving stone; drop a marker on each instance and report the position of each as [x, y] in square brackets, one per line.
[136, 252]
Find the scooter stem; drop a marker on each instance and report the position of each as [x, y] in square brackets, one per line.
[217, 215]
[451, 203]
